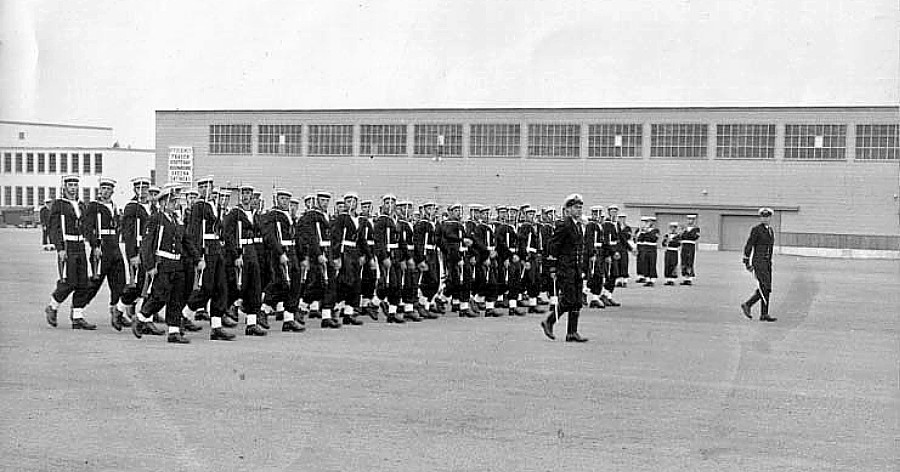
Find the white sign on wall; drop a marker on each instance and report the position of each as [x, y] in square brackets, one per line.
[181, 164]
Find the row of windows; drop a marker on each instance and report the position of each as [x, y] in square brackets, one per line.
[678, 140]
[35, 196]
[51, 163]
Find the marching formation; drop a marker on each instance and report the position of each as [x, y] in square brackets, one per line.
[201, 258]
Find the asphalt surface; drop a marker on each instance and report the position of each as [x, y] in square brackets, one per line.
[675, 379]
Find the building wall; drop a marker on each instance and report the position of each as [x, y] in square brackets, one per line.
[843, 197]
[119, 164]
[25, 134]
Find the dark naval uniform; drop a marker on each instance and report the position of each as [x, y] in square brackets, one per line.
[387, 253]
[758, 258]
[239, 233]
[672, 243]
[135, 218]
[345, 247]
[163, 251]
[647, 239]
[426, 251]
[101, 231]
[67, 234]
[689, 239]
[456, 258]
[567, 253]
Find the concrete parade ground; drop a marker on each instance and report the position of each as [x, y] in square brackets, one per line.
[675, 379]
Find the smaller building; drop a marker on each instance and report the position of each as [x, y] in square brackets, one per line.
[34, 156]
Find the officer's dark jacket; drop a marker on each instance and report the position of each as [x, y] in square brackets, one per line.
[451, 234]
[66, 228]
[386, 238]
[101, 224]
[164, 242]
[204, 230]
[760, 244]
[344, 228]
[134, 226]
[241, 243]
[567, 245]
[424, 236]
[277, 231]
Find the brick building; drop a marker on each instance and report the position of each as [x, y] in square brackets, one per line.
[831, 173]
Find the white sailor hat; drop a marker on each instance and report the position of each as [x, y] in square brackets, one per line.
[573, 199]
[205, 180]
[249, 187]
[308, 197]
[475, 206]
[524, 207]
[281, 191]
[388, 196]
[613, 207]
[765, 211]
[692, 216]
[597, 208]
[548, 209]
[140, 181]
[501, 208]
[154, 189]
[216, 190]
[429, 203]
[106, 181]
[455, 206]
[353, 195]
[673, 223]
[651, 219]
[257, 193]
[323, 194]
[192, 191]
[71, 178]
[366, 202]
[530, 209]
[174, 186]
[621, 215]
[295, 201]
[165, 194]
[514, 208]
[404, 203]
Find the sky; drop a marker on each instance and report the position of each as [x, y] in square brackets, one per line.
[114, 62]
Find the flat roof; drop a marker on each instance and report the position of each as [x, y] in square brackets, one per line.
[55, 125]
[885, 108]
[77, 148]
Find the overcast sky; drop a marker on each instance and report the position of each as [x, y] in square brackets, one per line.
[113, 62]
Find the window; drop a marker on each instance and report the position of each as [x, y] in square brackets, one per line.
[678, 140]
[52, 193]
[745, 141]
[7, 196]
[18, 162]
[29, 163]
[42, 163]
[86, 194]
[7, 163]
[98, 164]
[432, 140]
[382, 140]
[230, 139]
[614, 140]
[74, 165]
[63, 164]
[29, 196]
[280, 139]
[878, 142]
[152, 176]
[21, 135]
[495, 140]
[86, 163]
[554, 140]
[825, 142]
[330, 140]
[41, 195]
[18, 196]
[51, 163]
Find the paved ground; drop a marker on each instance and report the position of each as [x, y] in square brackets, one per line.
[674, 380]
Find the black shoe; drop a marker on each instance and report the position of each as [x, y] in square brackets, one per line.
[648, 284]
[115, 318]
[219, 334]
[152, 329]
[575, 338]
[351, 320]
[669, 282]
[434, 310]
[767, 318]
[440, 306]
[610, 302]
[279, 316]
[292, 326]
[127, 318]
[137, 329]
[254, 330]
[201, 315]
[81, 323]
[467, 313]
[371, 311]
[501, 304]
[188, 325]
[535, 309]
[745, 309]
[232, 312]
[51, 315]
[423, 313]
[262, 320]
[314, 314]
[548, 329]
[597, 304]
[640, 280]
[330, 323]
[227, 322]
[411, 316]
[393, 318]
[178, 338]
[497, 312]
[685, 282]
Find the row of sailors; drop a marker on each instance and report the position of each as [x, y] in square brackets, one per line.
[192, 256]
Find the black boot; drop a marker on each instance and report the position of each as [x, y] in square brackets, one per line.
[330, 323]
[115, 318]
[152, 329]
[219, 334]
[128, 316]
[547, 326]
[254, 330]
[291, 326]
[262, 320]
[572, 328]
[228, 322]
[81, 323]
[178, 338]
[188, 325]
[351, 320]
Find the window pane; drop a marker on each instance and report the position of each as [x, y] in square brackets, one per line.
[51, 163]
[280, 139]
[19, 196]
[745, 141]
[330, 140]
[433, 140]
[7, 196]
[86, 194]
[230, 139]
[98, 164]
[29, 196]
[382, 140]
[52, 193]
[41, 196]
[29, 163]
[815, 142]
[19, 165]
[63, 164]
[495, 140]
[551, 140]
[878, 142]
[86, 163]
[615, 140]
[41, 164]
[678, 140]
[75, 165]
[7, 162]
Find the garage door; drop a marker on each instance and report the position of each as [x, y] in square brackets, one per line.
[735, 230]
